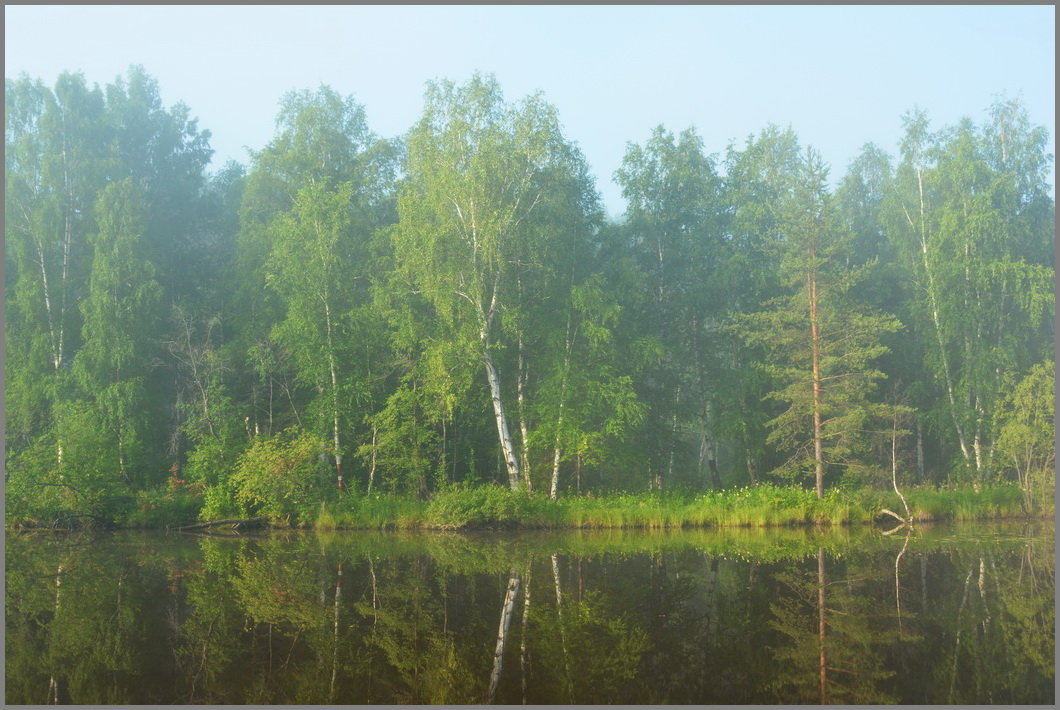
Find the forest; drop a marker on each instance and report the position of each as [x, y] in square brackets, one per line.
[352, 318]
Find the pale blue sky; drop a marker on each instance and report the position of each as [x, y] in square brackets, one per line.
[840, 76]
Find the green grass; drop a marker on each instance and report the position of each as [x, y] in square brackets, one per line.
[463, 507]
[762, 506]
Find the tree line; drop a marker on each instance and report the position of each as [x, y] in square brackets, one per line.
[453, 305]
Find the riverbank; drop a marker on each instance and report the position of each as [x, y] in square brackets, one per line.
[755, 506]
[487, 506]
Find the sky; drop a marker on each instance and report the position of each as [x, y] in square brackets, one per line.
[840, 76]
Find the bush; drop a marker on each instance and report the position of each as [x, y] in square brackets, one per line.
[279, 477]
[174, 503]
[220, 503]
[461, 505]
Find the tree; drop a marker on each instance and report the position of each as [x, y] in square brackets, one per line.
[310, 251]
[469, 241]
[821, 343]
[120, 316]
[1026, 427]
[674, 222]
[314, 199]
[966, 216]
[758, 179]
[55, 147]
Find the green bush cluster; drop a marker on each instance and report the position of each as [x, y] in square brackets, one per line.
[281, 477]
[176, 502]
[463, 506]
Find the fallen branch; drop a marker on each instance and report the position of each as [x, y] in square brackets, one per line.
[894, 515]
[65, 518]
[234, 522]
[894, 529]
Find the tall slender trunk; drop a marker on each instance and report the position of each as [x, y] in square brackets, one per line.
[919, 450]
[822, 657]
[371, 468]
[336, 442]
[335, 635]
[894, 464]
[507, 450]
[502, 633]
[562, 627]
[663, 481]
[522, 627]
[524, 435]
[815, 355]
[556, 450]
[935, 318]
[707, 448]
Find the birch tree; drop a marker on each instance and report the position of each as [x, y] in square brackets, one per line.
[55, 147]
[479, 173]
[310, 269]
[967, 216]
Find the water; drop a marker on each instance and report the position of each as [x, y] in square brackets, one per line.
[946, 615]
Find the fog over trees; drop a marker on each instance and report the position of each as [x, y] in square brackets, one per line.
[351, 313]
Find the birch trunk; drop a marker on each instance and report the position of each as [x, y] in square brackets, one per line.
[507, 450]
[919, 450]
[524, 434]
[556, 450]
[673, 442]
[894, 465]
[562, 627]
[335, 633]
[935, 319]
[336, 442]
[502, 633]
[371, 469]
[707, 447]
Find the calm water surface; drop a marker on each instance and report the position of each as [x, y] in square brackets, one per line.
[945, 615]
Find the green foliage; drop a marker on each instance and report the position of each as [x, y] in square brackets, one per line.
[178, 502]
[1026, 429]
[463, 506]
[221, 502]
[162, 319]
[280, 476]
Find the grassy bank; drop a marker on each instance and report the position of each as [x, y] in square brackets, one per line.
[757, 506]
[489, 506]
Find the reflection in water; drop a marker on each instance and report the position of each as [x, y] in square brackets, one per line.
[936, 616]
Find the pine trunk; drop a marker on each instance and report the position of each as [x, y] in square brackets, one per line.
[815, 355]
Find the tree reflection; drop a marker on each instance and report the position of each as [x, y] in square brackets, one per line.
[384, 619]
[835, 653]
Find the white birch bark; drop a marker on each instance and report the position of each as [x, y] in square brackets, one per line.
[334, 394]
[507, 449]
[502, 633]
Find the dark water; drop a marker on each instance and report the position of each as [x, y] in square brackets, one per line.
[946, 615]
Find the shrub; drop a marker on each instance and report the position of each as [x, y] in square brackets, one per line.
[173, 503]
[461, 505]
[278, 477]
[220, 503]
